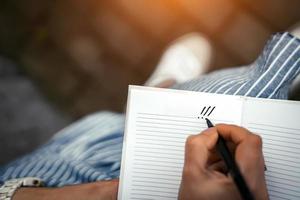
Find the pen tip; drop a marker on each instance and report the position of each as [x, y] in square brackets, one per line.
[209, 124]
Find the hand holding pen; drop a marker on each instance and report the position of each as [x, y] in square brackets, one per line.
[205, 172]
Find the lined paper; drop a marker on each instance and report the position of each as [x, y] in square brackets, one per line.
[158, 121]
[277, 122]
[157, 125]
[159, 153]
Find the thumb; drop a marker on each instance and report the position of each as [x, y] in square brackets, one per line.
[198, 147]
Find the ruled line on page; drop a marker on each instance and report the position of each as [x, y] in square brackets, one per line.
[282, 146]
[154, 174]
[291, 135]
[172, 120]
[143, 189]
[163, 132]
[155, 135]
[156, 178]
[141, 139]
[282, 178]
[156, 157]
[142, 198]
[278, 168]
[168, 124]
[272, 196]
[155, 169]
[280, 183]
[270, 147]
[281, 192]
[279, 159]
[281, 141]
[157, 144]
[160, 186]
[158, 154]
[150, 151]
[272, 125]
[153, 195]
[157, 165]
[170, 162]
[295, 192]
[280, 153]
[168, 153]
[194, 121]
[288, 189]
[278, 163]
[160, 159]
[285, 174]
[163, 148]
[164, 115]
[279, 136]
[166, 128]
[170, 183]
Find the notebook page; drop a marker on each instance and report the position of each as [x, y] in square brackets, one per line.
[158, 122]
[277, 122]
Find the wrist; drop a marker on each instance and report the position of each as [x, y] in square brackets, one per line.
[31, 193]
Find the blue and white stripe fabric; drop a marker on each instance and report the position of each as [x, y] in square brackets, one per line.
[91, 149]
[268, 77]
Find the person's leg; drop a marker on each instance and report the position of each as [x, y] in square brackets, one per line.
[270, 76]
[86, 151]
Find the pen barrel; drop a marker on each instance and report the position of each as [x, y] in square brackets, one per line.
[233, 169]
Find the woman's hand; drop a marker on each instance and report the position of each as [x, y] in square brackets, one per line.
[204, 173]
[101, 190]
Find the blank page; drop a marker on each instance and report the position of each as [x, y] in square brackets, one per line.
[158, 121]
[277, 122]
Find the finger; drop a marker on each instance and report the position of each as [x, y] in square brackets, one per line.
[198, 147]
[232, 133]
[231, 146]
[219, 166]
[249, 145]
[213, 157]
[248, 153]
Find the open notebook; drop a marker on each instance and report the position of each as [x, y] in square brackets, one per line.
[158, 122]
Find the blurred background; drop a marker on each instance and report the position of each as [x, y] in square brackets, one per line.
[61, 60]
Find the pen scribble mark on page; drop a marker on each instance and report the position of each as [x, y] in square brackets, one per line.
[206, 111]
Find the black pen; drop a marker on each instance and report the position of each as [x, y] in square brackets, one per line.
[231, 166]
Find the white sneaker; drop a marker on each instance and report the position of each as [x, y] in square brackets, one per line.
[295, 30]
[185, 59]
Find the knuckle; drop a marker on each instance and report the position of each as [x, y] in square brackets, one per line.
[256, 140]
[188, 173]
[191, 140]
[239, 128]
[194, 140]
